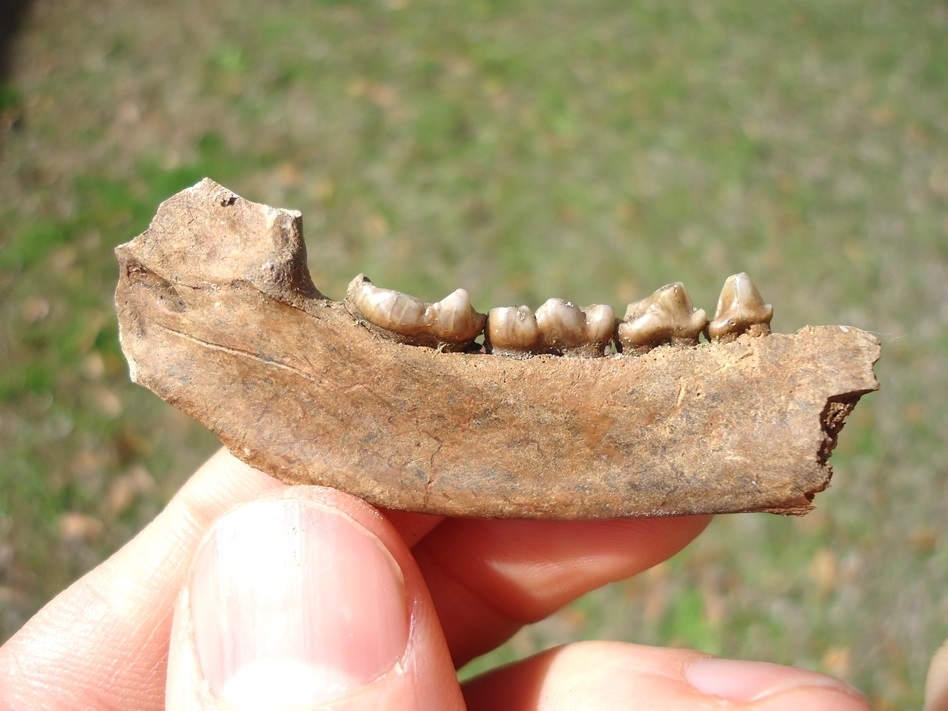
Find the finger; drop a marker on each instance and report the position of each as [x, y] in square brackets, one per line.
[412, 526]
[936, 683]
[308, 599]
[103, 642]
[489, 578]
[601, 676]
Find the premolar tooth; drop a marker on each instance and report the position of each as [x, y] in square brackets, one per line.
[741, 309]
[454, 319]
[557, 328]
[512, 331]
[667, 316]
[449, 324]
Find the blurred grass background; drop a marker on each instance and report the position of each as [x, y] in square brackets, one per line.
[591, 150]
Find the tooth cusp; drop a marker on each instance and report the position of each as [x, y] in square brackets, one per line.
[451, 324]
[666, 317]
[557, 328]
[741, 309]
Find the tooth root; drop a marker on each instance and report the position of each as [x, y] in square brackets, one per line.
[512, 331]
[667, 316]
[741, 309]
[449, 324]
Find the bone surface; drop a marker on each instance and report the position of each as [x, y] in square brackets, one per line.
[449, 324]
[218, 315]
[741, 309]
[667, 316]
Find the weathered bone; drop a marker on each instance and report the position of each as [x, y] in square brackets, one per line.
[741, 309]
[219, 317]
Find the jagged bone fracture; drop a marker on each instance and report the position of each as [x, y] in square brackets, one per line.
[562, 413]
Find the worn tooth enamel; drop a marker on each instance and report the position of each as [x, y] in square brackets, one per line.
[562, 325]
[449, 324]
[512, 331]
[557, 328]
[454, 319]
[667, 316]
[741, 309]
[600, 326]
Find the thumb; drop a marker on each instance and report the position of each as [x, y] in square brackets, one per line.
[307, 600]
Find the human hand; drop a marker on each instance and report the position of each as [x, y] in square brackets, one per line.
[245, 593]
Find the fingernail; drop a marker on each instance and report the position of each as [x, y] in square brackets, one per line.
[742, 681]
[294, 603]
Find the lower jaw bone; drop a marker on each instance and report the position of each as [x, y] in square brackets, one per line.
[241, 340]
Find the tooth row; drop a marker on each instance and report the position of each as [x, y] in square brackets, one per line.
[559, 327]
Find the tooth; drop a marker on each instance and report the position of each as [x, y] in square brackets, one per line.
[558, 328]
[567, 329]
[449, 324]
[454, 319]
[562, 325]
[667, 316]
[512, 331]
[600, 326]
[741, 309]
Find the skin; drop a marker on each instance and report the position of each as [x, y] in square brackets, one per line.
[186, 614]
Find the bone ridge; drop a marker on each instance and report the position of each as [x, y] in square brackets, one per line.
[667, 317]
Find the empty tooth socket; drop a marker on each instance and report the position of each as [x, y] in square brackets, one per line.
[559, 327]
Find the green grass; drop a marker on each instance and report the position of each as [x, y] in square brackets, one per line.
[592, 150]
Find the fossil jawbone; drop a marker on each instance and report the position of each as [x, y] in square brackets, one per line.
[218, 316]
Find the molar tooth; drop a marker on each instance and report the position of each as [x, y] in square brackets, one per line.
[741, 309]
[667, 316]
[454, 319]
[385, 308]
[557, 328]
[562, 325]
[512, 331]
[449, 324]
[573, 331]
[600, 326]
